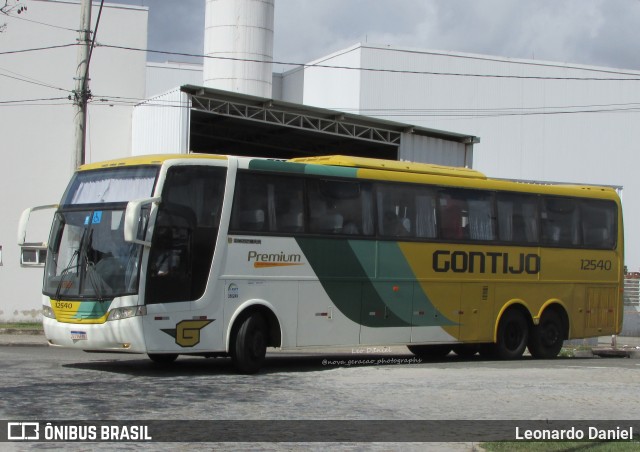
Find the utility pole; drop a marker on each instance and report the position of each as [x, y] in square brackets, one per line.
[81, 93]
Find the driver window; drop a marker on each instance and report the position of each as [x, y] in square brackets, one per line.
[185, 232]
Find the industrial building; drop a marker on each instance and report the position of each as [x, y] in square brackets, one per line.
[516, 119]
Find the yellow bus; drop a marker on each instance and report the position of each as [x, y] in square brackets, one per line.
[216, 255]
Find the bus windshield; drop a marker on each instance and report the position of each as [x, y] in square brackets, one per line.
[87, 256]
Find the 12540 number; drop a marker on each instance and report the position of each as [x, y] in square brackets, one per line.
[595, 264]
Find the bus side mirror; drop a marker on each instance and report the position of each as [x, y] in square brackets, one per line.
[136, 220]
[24, 221]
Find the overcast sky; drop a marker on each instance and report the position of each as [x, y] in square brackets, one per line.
[592, 32]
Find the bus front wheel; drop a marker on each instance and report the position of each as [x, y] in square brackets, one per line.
[513, 335]
[250, 345]
[547, 337]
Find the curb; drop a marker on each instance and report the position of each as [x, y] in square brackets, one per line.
[616, 352]
[22, 331]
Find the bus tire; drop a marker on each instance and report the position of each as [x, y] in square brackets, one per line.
[163, 359]
[250, 345]
[547, 337]
[513, 335]
[437, 351]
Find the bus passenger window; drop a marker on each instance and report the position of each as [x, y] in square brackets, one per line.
[517, 218]
[598, 224]
[267, 203]
[406, 211]
[466, 215]
[453, 220]
[340, 207]
[560, 221]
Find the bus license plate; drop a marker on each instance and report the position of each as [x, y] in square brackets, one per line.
[78, 336]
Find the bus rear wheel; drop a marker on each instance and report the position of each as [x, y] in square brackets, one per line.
[513, 335]
[250, 345]
[547, 337]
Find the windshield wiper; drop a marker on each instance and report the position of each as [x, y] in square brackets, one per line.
[65, 272]
[90, 271]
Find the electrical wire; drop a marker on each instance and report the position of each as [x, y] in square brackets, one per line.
[31, 80]
[632, 76]
[39, 23]
[35, 49]
[5, 102]
[462, 113]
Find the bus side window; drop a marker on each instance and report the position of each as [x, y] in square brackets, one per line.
[406, 211]
[598, 223]
[466, 215]
[340, 207]
[481, 216]
[267, 203]
[560, 221]
[517, 218]
[452, 218]
[395, 211]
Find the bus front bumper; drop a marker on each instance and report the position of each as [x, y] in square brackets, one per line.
[116, 336]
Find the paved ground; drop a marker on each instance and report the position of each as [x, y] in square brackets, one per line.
[303, 386]
[631, 345]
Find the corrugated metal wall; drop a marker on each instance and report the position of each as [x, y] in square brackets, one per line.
[416, 148]
[161, 124]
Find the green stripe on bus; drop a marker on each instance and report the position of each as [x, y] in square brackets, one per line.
[331, 171]
[346, 269]
[276, 165]
[92, 309]
[302, 168]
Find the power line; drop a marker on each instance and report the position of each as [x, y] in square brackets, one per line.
[30, 102]
[35, 49]
[33, 81]
[39, 23]
[414, 113]
[633, 77]
[119, 101]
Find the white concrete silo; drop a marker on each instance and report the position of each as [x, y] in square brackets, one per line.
[241, 30]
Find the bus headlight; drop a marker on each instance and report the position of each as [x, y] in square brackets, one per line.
[47, 311]
[126, 312]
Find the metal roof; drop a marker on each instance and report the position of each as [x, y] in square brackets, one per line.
[300, 129]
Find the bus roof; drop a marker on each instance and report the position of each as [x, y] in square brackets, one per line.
[348, 166]
[392, 165]
[468, 178]
[154, 159]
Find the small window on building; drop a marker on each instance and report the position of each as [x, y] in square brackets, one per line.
[33, 256]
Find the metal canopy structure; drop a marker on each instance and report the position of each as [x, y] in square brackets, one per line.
[231, 123]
